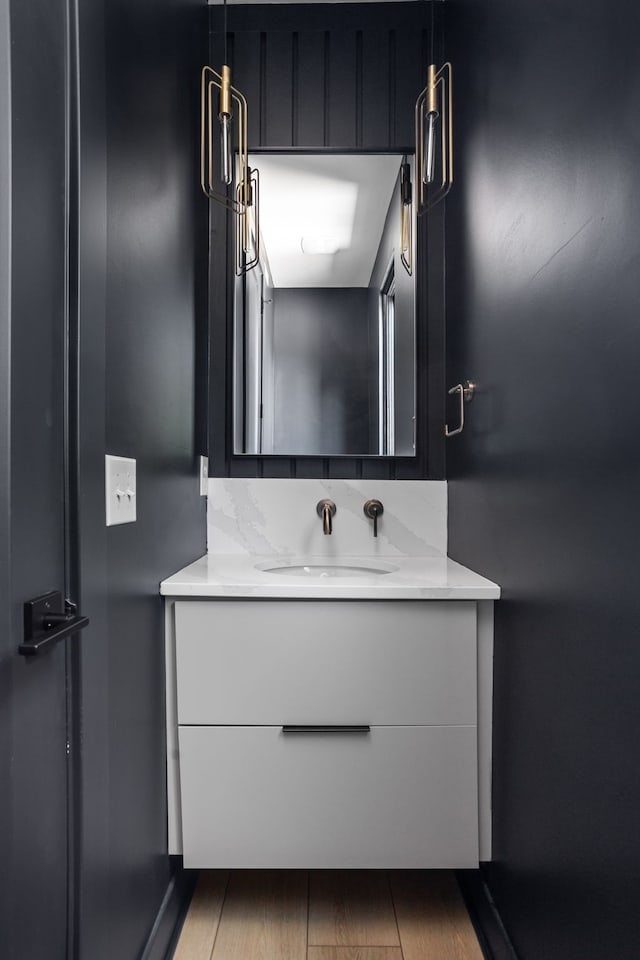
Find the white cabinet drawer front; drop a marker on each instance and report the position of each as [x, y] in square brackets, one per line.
[326, 662]
[397, 797]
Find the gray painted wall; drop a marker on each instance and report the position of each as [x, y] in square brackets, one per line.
[543, 263]
[5, 426]
[322, 363]
[5, 287]
[156, 224]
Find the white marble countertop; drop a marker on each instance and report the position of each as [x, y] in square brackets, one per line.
[410, 578]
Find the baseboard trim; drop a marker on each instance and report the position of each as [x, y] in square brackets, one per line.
[166, 928]
[484, 915]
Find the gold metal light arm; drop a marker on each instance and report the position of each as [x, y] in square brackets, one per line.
[248, 226]
[243, 202]
[436, 99]
[406, 238]
[406, 217]
[210, 81]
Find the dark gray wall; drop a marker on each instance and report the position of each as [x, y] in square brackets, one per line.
[90, 667]
[156, 228]
[322, 363]
[543, 268]
[5, 329]
[336, 77]
[5, 407]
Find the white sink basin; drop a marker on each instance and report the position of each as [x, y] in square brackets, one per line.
[318, 569]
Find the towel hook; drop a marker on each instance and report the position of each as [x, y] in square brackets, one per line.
[465, 392]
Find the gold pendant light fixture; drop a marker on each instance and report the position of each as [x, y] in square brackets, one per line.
[213, 174]
[248, 226]
[434, 136]
[223, 118]
[434, 133]
[406, 217]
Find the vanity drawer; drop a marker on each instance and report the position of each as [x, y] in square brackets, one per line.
[305, 662]
[396, 797]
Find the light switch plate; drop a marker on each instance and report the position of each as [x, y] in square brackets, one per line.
[120, 489]
[204, 476]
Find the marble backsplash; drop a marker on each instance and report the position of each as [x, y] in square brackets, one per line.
[264, 517]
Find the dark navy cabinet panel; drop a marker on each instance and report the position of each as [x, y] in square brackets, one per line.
[279, 85]
[311, 78]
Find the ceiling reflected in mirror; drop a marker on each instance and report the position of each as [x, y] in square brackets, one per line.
[322, 216]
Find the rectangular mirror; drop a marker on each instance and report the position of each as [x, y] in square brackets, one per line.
[324, 325]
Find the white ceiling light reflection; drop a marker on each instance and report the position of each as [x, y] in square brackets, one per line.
[303, 207]
[320, 246]
[319, 216]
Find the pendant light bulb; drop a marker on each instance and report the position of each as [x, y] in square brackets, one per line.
[406, 214]
[434, 138]
[433, 112]
[225, 147]
[225, 115]
[429, 171]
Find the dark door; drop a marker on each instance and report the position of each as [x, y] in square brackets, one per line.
[34, 508]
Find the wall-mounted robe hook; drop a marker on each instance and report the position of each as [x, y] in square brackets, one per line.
[465, 392]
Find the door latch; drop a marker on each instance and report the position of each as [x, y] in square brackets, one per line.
[47, 620]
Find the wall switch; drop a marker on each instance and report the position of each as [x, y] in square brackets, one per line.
[204, 476]
[120, 488]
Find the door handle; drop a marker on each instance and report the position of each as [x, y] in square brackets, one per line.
[47, 620]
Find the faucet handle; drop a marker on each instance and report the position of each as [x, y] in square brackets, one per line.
[373, 509]
[326, 509]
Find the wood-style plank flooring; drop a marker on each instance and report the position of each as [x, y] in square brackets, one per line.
[327, 915]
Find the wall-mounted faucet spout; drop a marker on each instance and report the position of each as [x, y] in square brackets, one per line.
[373, 509]
[326, 509]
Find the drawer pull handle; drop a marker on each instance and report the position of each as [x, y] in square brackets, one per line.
[324, 728]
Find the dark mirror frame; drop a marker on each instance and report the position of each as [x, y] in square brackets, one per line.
[406, 407]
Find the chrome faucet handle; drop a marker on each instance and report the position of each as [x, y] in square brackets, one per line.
[372, 510]
[326, 509]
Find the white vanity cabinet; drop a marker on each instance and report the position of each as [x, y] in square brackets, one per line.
[328, 733]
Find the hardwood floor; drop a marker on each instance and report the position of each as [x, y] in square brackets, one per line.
[201, 925]
[327, 915]
[351, 909]
[432, 918]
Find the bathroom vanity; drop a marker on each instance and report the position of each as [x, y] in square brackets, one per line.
[329, 710]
